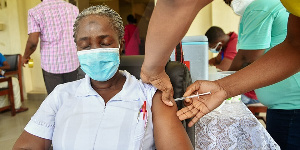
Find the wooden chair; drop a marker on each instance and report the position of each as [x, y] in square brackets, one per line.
[256, 109]
[8, 91]
[15, 62]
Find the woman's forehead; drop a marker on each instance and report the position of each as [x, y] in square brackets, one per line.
[90, 19]
[95, 24]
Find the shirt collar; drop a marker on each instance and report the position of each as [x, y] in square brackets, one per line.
[129, 92]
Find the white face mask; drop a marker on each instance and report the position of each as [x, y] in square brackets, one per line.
[214, 50]
[239, 6]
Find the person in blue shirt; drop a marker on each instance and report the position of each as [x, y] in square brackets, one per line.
[16, 89]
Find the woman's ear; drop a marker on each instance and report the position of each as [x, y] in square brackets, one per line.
[122, 45]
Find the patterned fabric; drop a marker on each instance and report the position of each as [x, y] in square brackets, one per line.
[74, 116]
[232, 127]
[54, 19]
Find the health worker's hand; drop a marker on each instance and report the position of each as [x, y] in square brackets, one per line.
[162, 82]
[200, 106]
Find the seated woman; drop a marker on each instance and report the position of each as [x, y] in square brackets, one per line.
[108, 109]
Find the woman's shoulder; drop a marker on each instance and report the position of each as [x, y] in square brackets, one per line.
[140, 88]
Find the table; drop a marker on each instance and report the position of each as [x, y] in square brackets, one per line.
[232, 127]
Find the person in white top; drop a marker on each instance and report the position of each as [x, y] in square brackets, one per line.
[108, 109]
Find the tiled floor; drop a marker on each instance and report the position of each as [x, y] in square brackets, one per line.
[12, 127]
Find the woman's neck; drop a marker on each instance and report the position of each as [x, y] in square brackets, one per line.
[111, 84]
[110, 88]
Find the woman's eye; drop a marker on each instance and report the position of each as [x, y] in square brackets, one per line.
[85, 47]
[105, 44]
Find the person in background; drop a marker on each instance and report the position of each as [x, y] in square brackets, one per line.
[52, 21]
[108, 109]
[222, 44]
[16, 89]
[132, 37]
[225, 46]
[264, 25]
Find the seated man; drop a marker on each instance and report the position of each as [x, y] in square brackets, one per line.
[108, 109]
[225, 46]
[16, 89]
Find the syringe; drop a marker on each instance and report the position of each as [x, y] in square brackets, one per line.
[196, 95]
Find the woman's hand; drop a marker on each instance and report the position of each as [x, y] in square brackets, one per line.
[199, 106]
[162, 82]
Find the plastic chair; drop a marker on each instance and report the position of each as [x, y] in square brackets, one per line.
[15, 62]
[8, 91]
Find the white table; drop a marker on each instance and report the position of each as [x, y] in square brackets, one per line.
[232, 127]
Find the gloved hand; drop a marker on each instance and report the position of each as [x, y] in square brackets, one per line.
[203, 104]
[162, 82]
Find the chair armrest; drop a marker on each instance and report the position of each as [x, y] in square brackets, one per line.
[9, 80]
[6, 79]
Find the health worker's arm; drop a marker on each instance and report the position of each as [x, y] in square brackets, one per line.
[31, 45]
[279, 63]
[169, 22]
[169, 133]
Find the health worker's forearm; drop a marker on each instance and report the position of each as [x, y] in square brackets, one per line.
[281, 62]
[169, 22]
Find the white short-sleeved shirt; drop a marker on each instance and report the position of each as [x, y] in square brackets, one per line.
[74, 116]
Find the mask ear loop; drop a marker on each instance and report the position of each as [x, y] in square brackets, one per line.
[220, 48]
[217, 45]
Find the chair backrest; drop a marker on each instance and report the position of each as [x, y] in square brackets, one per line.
[13, 61]
[179, 74]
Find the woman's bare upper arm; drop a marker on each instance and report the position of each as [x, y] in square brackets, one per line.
[28, 141]
[169, 132]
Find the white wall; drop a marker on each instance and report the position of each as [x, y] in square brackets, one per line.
[14, 36]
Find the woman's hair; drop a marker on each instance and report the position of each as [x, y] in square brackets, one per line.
[101, 10]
